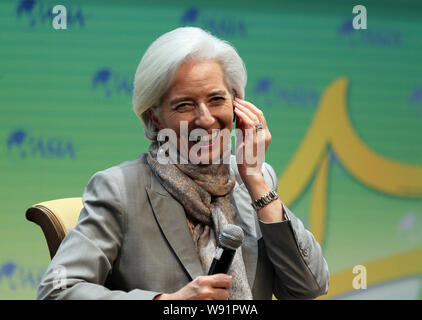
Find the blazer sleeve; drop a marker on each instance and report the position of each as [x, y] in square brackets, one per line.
[301, 271]
[85, 257]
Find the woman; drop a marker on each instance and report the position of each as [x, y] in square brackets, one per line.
[148, 228]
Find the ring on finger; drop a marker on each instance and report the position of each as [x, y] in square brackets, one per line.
[259, 126]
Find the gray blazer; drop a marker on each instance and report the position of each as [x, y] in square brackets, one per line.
[132, 241]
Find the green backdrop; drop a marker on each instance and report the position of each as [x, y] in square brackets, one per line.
[65, 103]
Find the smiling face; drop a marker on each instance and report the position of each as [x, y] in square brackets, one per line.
[200, 98]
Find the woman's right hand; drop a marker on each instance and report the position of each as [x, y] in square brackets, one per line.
[214, 287]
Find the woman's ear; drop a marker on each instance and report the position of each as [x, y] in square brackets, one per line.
[154, 118]
[234, 95]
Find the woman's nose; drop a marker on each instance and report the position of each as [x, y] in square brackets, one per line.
[204, 118]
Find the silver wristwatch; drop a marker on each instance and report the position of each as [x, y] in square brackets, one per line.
[264, 200]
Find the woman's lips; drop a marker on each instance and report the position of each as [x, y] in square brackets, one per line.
[209, 140]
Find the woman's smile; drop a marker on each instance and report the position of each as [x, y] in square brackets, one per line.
[207, 141]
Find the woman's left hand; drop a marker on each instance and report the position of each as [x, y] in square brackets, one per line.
[251, 147]
[255, 137]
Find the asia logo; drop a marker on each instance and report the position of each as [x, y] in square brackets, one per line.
[376, 35]
[269, 93]
[110, 82]
[36, 12]
[23, 145]
[415, 98]
[17, 277]
[218, 24]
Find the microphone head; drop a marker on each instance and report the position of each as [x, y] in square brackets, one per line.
[231, 237]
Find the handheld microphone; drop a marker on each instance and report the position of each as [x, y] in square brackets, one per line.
[230, 238]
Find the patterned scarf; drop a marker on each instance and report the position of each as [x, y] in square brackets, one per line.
[205, 191]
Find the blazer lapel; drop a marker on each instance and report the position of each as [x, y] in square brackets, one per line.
[171, 217]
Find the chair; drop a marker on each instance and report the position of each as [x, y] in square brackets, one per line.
[55, 217]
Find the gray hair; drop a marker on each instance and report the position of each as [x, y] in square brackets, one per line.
[159, 65]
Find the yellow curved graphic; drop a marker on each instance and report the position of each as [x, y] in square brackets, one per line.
[318, 201]
[378, 271]
[331, 127]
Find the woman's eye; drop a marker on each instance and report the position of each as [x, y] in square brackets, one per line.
[218, 99]
[184, 106]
